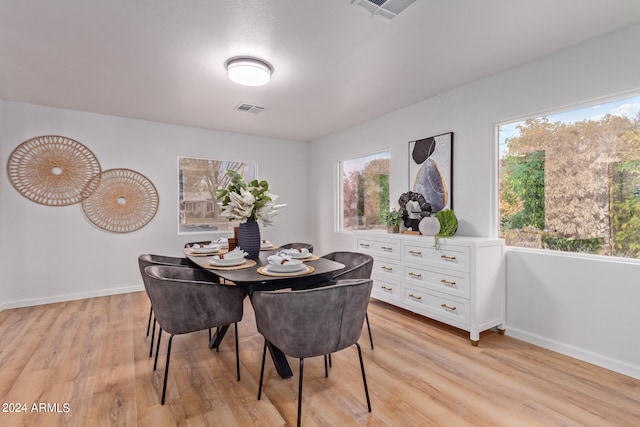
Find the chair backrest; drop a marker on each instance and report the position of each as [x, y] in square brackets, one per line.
[183, 303]
[146, 260]
[308, 246]
[357, 265]
[313, 322]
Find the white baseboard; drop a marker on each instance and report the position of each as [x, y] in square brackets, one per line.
[70, 297]
[578, 353]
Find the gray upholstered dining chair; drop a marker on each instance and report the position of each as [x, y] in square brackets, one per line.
[183, 302]
[294, 245]
[313, 322]
[357, 266]
[146, 260]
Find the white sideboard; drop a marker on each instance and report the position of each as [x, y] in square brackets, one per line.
[460, 283]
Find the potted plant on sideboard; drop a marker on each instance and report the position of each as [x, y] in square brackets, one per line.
[393, 219]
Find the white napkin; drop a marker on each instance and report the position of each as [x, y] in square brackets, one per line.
[278, 259]
[282, 259]
[266, 244]
[296, 251]
[235, 254]
[222, 241]
[210, 245]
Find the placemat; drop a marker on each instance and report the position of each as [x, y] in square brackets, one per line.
[263, 270]
[248, 263]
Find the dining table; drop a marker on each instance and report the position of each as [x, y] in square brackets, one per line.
[253, 276]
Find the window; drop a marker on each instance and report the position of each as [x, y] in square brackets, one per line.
[364, 192]
[571, 181]
[198, 180]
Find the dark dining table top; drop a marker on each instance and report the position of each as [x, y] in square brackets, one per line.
[251, 280]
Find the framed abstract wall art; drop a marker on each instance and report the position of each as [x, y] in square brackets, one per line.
[431, 170]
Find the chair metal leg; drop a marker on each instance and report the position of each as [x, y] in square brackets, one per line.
[264, 355]
[149, 321]
[155, 363]
[153, 334]
[330, 361]
[209, 334]
[237, 352]
[364, 377]
[300, 391]
[366, 317]
[326, 367]
[166, 370]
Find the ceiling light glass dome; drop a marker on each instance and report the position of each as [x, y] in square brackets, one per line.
[249, 71]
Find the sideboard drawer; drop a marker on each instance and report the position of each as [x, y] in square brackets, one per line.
[389, 249]
[449, 256]
[454, 311]
[386, 290]
[386, 268]
[445, 281]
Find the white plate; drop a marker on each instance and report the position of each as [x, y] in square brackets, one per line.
[287, 273]
[227, 262]
[287, 267]
[206, 250]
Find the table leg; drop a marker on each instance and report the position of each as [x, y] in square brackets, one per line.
[280, 361]
[217, 337]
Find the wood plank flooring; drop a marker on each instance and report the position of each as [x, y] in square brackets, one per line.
[88, 362]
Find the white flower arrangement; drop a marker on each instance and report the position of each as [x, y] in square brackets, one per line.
[242, 201]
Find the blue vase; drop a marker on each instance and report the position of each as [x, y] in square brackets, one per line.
[249, 238]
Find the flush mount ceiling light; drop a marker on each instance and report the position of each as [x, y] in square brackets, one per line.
[249, 71]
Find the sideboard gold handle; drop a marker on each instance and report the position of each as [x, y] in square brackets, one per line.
[412, 296]
[415, 275]
[452, 258]
[384, 248]
[364, 245]
[446, 307]
[386, 268]
[386, 289]
[446, 282]
[415, 253]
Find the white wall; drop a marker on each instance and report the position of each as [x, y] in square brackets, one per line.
[54, 254]
[1, 195]
[586, 307]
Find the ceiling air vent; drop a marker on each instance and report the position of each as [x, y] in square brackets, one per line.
[248, 108]
[385, 8]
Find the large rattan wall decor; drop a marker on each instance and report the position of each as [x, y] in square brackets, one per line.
[53, 170]
[123, 201]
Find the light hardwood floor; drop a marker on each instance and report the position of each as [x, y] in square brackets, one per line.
[92, 355]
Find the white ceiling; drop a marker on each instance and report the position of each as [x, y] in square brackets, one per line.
[335, 65]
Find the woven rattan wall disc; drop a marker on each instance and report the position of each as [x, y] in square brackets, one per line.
[124, 201]
[53, 170]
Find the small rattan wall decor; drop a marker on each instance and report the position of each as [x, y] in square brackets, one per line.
[123, 201]
[53, 170]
